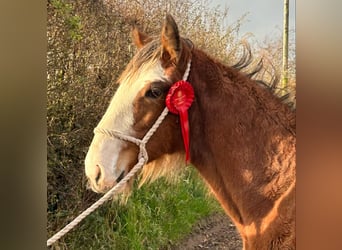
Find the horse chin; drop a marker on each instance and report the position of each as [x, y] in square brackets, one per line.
[122, 194]
[125, 191]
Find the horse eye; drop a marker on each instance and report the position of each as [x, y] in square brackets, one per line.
[154, 93]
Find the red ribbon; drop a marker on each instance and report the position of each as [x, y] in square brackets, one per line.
[178, 101]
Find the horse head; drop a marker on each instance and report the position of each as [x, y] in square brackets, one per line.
[136, 105]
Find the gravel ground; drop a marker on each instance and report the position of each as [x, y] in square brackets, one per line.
[214, 232]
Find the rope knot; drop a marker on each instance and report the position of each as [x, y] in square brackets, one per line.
[143, 152]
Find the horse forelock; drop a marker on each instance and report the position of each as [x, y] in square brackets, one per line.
[150, 55]
[144, 59]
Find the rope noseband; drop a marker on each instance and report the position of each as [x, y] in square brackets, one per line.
[142, 159]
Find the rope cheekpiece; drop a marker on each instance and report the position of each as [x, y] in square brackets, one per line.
[142, 159]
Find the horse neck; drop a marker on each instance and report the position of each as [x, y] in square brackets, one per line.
[242, 140]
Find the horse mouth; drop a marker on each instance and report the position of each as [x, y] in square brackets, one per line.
[121, 176]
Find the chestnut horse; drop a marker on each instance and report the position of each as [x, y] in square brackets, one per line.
[242, 136]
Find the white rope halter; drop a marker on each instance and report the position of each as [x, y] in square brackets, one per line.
[142, 159]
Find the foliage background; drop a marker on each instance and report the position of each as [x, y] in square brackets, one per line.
[89, 45]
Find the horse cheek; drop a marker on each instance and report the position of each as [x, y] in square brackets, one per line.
[166, 140]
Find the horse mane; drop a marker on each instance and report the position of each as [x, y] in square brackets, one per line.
[286, 95]
[239, 70]
[149, 54]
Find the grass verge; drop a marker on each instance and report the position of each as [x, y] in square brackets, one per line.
[155, 216]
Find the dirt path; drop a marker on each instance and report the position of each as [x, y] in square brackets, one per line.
[215, 232]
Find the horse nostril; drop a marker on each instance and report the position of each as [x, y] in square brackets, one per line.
[98, 175]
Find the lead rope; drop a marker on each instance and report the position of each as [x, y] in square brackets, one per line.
[142, 159]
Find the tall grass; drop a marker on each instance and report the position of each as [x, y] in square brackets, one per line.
[155, 216]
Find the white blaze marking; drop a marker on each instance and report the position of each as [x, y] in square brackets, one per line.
[105, 151]
[119, 115]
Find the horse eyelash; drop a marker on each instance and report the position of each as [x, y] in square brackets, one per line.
[154, 93]
[157, 89]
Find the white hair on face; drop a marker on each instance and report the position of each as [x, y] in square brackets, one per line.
[119, 115]
[105, 152]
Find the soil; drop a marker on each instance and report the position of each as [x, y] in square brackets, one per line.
[214, 232]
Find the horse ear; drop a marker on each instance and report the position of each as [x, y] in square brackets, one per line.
[139, 38]
[170, 40]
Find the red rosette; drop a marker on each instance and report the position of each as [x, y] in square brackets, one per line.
[178, 101]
